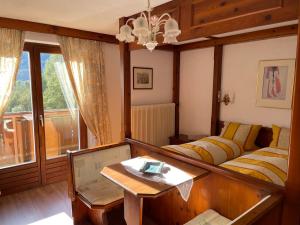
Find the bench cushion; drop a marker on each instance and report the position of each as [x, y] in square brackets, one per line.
[101, 192]
[90, 184]
[87, 167]
[209, 217]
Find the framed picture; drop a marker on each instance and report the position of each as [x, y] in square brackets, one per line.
[275, 83]
[142, 78]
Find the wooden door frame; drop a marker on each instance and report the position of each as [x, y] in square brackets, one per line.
[52, 49]
[24, 176]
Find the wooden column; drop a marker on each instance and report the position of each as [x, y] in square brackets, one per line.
[293, 182]
[125, 70]
[215, 113]
[176, 83]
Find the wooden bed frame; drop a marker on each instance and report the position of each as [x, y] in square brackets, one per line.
[231, 194]
[241, 198]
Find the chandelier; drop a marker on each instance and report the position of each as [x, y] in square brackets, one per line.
[146, 28]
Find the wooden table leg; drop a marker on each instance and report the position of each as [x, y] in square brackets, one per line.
[133, 209]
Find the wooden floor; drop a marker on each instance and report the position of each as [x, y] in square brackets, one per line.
[36, 206]
[48, 205]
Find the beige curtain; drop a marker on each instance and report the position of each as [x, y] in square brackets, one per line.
[11, 47]
[153, 124]
[85, 65]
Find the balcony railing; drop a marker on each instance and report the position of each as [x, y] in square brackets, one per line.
[17, 136]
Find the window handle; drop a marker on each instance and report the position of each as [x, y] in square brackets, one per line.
[42, 120]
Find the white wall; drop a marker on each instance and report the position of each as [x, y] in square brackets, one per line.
[162, 64]
[196, 84]
[113, 83]
[239, 75]
[240, 68]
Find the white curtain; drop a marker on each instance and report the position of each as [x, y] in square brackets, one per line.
[66, 87]
[153, 124]
[85, 66]
[11, 47]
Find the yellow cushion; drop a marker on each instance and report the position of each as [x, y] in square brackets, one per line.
[281, 137]
[243, 134]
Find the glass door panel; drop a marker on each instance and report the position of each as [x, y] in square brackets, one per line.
[61, 117]
[16, 129]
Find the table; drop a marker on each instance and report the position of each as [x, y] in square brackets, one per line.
[137, 188]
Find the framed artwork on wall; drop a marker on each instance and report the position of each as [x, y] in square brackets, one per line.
[275, 83]
[142, 78]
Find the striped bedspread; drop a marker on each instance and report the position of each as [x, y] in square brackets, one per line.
[214, 149]
[269, 164]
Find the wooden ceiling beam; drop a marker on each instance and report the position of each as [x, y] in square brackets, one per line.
[52, 29]
[246, 37]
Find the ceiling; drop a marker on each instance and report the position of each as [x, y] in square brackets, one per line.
[91, 15]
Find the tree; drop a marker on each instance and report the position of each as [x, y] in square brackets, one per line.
[20, 100]
[52, 93]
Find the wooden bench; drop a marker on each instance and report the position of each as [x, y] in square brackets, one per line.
[209, 217]
[92, 194]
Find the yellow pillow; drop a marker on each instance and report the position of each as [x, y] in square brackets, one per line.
[244, 134]
[281, 137]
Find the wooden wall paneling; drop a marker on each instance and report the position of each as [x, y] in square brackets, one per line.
[176, 86]
[206, 18]
[125, 71]
[52, 29]
[56, 170]
[210, 12]
[19, 178]
[245, 37]
[229, 193]
[291, 216]
[215, 113]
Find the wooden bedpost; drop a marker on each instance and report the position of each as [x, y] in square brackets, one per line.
[125, 71]
[292, 207]
[176, 83]
[215, 113]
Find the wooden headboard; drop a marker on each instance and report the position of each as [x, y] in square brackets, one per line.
[263, 139]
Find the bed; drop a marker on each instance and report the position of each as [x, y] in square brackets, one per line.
[265, 163]
[269, 164]
[214, 150]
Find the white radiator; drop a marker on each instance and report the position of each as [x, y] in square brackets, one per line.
[153, 124]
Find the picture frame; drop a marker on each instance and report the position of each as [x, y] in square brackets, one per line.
[142, 78]
[275, 83]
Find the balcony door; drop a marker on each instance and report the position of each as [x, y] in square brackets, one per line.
[41, 122]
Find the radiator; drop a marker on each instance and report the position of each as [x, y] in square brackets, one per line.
[153, 124]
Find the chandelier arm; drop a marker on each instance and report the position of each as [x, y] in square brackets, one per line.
[129, 20]
[162, 22]
[163, 15]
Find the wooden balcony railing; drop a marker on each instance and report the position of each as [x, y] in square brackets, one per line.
[17, 139]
